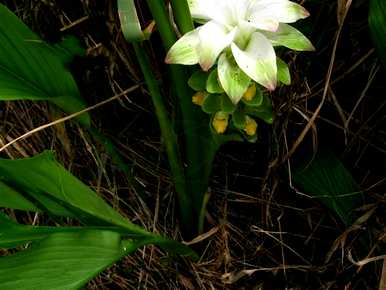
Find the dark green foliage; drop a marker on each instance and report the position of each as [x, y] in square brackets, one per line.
[326, 179]
[377, 24]
[31, 69]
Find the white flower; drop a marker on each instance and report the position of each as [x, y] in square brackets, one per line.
[240, 34]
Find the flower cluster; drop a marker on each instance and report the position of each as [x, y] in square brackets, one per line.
[237, 40]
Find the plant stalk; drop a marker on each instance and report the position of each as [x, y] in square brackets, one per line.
[190, 117]
[169, 138]
[182, 15]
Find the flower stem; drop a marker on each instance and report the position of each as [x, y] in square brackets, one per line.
[169, 138]
[182, 15]
[157, 9]
[191, 119]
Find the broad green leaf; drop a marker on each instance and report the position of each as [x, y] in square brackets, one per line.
[10, 198]
[328, 180]
[32, 70]
[14, 234]
[131, 27]
[377, 24]
[66, 257]
[212, 84]
[198, 80]
[63, 260]
[58, 192]
[217, 102]
[46, 181]
[283, 73]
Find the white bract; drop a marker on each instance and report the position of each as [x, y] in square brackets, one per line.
[241, 35]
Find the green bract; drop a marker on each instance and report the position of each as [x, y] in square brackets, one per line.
[242, 35]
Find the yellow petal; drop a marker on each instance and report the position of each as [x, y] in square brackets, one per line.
[250, 127]
[198, 98]
[220, 122]
[250, 93]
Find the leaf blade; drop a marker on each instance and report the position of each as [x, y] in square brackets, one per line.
[62, 260]
[327, 179]
[44, 179]
[31, 69]
[377, 25]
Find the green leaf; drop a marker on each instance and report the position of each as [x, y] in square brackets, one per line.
[266, 116]
[10, 198]
[214, 103]
[377, 24]
[63, 260]
[33, 70]
[212, 84]
[55, 190]
[283, 73]
[66, 257]
[59, 192]
[262, 111]
[327, 179]
[239, 118]
[14, 234]
[68, 48]
[131, 27]
[198, 80]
